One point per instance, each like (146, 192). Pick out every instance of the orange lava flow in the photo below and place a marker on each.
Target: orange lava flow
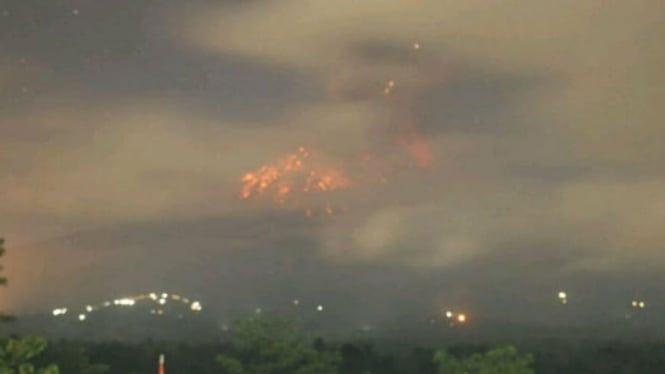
(291, 176)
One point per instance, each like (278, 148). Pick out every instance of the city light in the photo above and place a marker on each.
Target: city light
(319, 308)
(454, 317)
(563, 297)
(131, 301)
(59, 312)
(81, 317)
(124, 302)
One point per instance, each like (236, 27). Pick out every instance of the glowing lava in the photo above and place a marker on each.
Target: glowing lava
(291, 178)
(415, 145)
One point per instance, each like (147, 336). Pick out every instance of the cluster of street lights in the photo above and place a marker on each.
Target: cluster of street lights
(160, 299)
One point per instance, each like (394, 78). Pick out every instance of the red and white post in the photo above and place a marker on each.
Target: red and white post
(161, 365)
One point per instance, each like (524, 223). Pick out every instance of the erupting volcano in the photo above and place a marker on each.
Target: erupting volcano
(293, 179)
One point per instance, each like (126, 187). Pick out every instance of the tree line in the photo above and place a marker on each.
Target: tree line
(280, 346)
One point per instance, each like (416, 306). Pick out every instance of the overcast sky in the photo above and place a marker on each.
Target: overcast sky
(521, 144)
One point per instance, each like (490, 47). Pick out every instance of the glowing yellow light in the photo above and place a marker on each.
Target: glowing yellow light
(124, 302)
(319, 308)
(642, 304)
(81, 317)
(162, 301)
(153, 296)
(449, 314)
(165, 295)
(296, 302)
(59, 312)
(416, 45)
(391, 83)
(634, 303)
(461, 318)
(88, 308)
(196, 306)
(562, 295)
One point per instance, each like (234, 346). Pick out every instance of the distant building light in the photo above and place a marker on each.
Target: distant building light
(319, 308)
(642, 304)
(162, 301)
(449, 314)
(59, 312)
(196, 306)
(563, 297)
(81, 317)
(88, 308)
(124, 302)
(461, 318)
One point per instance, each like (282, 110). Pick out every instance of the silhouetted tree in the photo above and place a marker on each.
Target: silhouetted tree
(72, 358)
(275, 347)
(15, 354)
(502, 360)
(3, 281)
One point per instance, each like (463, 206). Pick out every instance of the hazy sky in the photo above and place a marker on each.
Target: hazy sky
(522, 145)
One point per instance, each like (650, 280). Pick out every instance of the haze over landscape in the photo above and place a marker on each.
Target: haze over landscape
(383, 159)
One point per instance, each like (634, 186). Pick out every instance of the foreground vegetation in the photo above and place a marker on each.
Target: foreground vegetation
(552, 357)
(263, 346)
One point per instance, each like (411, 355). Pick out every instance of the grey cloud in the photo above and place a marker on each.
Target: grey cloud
(540, 181)
(477, 100)
(112, 52)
